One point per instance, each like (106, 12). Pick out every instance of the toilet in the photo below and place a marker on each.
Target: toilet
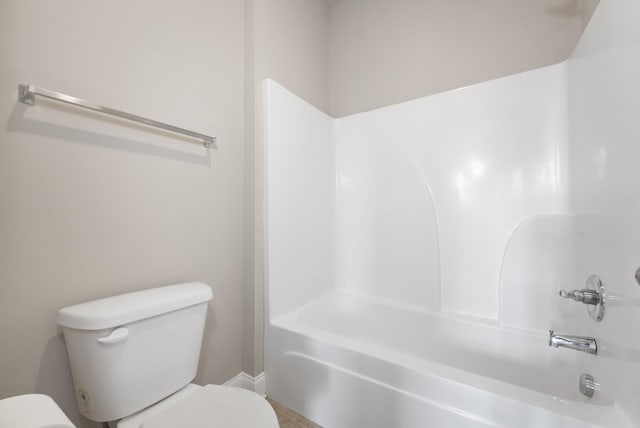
(133, 358)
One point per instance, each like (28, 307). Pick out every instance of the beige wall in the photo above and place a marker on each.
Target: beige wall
(383, 52)
(291, 46)
(90, 207)
(287, 42)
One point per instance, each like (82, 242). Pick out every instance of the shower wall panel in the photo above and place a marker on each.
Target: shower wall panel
(430, 191)
(300, 185)
(604, 95)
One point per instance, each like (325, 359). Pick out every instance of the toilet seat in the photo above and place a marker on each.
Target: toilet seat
(213, 406)
(32, 411)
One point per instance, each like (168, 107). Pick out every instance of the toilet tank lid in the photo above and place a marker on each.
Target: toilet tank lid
(126, 308)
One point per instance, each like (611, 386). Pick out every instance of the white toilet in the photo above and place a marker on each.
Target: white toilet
(133, 356)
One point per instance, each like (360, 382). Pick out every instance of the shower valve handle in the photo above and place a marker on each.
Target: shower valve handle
(592, 295)
(585, 296)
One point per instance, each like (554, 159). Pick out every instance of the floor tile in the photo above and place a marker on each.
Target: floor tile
(287, 418)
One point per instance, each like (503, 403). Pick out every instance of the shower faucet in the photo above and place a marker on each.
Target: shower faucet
(579, 343)
(592, 295)
(587, 297)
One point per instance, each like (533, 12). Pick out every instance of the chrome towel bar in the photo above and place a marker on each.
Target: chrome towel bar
(28, 92)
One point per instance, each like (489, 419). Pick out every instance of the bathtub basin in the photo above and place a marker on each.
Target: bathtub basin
(352, 361)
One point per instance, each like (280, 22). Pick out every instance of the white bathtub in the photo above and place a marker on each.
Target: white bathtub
(348, 361)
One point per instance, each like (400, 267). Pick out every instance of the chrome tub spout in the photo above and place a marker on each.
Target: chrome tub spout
(579, 343)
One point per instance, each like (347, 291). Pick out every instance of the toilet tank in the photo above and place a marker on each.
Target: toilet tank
(129, 351)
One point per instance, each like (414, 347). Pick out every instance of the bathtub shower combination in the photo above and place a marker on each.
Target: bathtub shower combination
(415, 253)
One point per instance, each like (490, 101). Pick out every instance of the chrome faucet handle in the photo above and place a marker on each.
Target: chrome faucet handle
(585, 296)
(592, 295)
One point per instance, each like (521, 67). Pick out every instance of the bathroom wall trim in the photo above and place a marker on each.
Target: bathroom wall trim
(245, 381)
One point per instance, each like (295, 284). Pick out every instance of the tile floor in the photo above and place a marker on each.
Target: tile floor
(289, 419)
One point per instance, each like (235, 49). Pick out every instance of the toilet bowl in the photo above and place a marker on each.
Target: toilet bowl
(133, 358)
(32, 411)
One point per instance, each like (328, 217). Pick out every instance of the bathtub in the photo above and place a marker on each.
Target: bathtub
(351, 361)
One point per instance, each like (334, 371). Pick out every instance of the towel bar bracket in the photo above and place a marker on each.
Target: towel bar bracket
(26, 94)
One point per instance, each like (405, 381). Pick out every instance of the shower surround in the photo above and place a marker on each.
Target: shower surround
(415, 252)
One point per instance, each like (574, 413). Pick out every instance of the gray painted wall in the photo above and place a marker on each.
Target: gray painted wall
(383, 52)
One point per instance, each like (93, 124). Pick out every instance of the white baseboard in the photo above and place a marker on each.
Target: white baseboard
(245, 381)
